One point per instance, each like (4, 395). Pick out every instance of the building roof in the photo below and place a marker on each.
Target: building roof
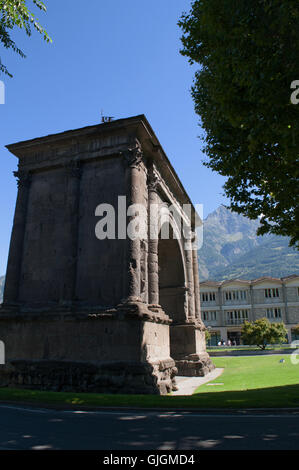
(249, 282)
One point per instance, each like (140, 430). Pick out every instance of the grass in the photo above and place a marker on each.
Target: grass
(246, 348)
(253, 373)
(248, 382)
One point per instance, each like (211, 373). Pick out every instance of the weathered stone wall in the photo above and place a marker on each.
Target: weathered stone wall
(47, 239)
(100, 266)
(57, 253)
(115, 377)
(100, 337)
(111, 351)
(155, 343)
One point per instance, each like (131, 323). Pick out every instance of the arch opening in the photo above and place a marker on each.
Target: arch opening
(172, 286)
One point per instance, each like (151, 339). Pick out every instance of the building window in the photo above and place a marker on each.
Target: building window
(208, 296)
(243, 294)
(271, 293)
(236, 295)
(209, 316)
(273, 313)
(236, 317)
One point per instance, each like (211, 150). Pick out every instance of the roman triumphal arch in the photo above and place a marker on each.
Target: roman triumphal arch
(102, 288)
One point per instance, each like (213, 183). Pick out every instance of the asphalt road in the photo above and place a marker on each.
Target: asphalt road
(22, 427)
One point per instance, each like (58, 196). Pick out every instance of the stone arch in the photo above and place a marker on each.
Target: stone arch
(167, 218)
(172, 273)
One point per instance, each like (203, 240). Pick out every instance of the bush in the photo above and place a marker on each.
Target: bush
(263, 332)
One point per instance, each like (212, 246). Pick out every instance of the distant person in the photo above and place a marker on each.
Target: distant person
(229, 343)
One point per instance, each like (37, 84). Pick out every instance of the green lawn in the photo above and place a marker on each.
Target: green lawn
(248, 382)
(246, 348)
(263, 380)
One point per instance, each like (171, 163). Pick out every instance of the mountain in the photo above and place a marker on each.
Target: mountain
(231, 249)
(2, 279)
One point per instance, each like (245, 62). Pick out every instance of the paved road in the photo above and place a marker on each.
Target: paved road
(31, 428)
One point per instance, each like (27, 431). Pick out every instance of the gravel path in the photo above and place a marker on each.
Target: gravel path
(187, 385)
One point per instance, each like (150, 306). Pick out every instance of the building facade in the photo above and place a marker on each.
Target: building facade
(227, 305)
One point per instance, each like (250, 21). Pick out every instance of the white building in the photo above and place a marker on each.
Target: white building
(226, 305)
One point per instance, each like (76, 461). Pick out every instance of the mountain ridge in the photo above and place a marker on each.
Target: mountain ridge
(232, 249)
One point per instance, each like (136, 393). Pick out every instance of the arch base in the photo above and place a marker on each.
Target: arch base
(196, 366)
(188, 349)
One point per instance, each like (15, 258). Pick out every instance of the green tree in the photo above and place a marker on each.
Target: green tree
(263, 332)
(248, 54)
(15, 13)
(207, 335)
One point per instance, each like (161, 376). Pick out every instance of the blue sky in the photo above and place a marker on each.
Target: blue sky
(118, 56)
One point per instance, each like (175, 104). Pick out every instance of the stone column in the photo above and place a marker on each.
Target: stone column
(153, 238)
(133, 157)
(14, 265)
(74, 173)
(196, 281)
(190, 278)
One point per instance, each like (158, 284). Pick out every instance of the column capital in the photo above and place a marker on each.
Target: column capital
(23, 178)
(153, 180)
(133, 156)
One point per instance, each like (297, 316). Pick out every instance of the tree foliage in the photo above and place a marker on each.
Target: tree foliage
(208, 335)
(248, 53)
(15, 13)
(263, 332)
